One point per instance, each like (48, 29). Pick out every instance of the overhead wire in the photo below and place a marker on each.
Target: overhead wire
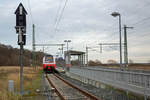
(147, 18)
(142, 20)
(30, 11)
(94, 50)
(61, 15)
(57, 20)
(143, 27)
(57, 13)
(56, 17)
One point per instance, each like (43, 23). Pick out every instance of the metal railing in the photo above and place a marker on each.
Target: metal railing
(128, 80)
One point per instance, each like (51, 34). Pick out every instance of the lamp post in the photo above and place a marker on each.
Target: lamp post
(67, 41)
(67, 57)
(115, 14)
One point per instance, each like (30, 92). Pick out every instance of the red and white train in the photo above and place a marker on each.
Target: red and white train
(49, 64)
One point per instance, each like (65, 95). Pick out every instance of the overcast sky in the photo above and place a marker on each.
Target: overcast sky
(84, 22)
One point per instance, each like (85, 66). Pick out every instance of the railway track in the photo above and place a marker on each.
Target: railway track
(67, 91)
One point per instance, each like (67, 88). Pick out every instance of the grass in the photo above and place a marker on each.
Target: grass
(131, 95)
(131, 66)
(31, 82)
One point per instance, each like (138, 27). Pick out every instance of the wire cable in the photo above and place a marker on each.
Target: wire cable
(145, 19)
(30, 11)
(61, 15)
(57, 13)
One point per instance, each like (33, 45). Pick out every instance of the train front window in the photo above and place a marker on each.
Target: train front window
(49, 59)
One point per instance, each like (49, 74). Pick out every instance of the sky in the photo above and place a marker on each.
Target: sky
(84, 22)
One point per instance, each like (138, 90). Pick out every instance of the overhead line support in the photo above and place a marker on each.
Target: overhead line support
(126, 46)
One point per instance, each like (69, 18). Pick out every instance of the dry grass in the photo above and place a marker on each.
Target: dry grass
(12, 73)
(140, 67)
(131, 66)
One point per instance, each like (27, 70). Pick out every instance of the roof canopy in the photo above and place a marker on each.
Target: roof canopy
(72, 52)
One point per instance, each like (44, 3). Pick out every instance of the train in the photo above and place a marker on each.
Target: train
(49, 64)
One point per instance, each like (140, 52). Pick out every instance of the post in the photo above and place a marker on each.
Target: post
(86, 56)
(81, 60)
(21, 70)
(68, 55)
(43, 49)
(20, 40)
(33, 37)
(33, 47)
(21, 65)
(100, 47)
(67, 46)
(125, 48)
(115, 14)
(11, 86)
(62, 48)
(21, 30)
(120, 42)
(84, 59)
(145, 97)
(127, 95)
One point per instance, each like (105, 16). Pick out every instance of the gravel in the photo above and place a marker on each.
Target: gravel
(104, 94)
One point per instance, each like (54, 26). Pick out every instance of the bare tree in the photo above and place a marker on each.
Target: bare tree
(98, 62)
(111, 61)
(131, 61)
(148, 61)
(94, 63)
(9, 56)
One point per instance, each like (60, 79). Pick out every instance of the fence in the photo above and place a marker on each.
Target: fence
(132, 81)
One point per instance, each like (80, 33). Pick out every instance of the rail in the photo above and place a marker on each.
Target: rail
(57, 92)
(80, 90)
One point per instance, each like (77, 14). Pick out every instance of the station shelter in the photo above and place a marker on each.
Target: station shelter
(81, 58)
